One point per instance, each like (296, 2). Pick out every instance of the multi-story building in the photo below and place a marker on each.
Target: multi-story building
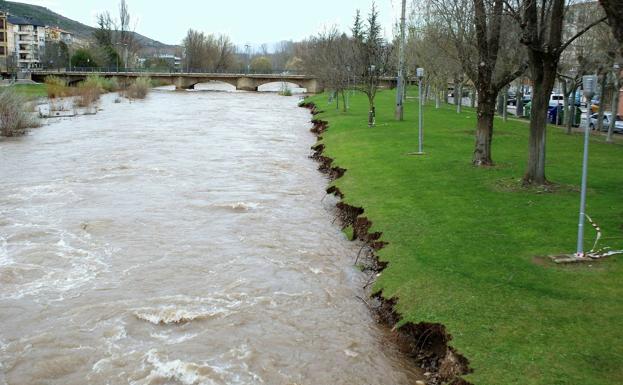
(26, 40)
(57, 35)
(4, 49)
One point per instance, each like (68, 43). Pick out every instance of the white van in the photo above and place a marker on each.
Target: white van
(556, 99)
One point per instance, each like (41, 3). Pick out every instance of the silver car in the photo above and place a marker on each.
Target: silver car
(618, 124)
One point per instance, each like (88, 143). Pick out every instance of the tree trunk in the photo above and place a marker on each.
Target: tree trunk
(615, 107)
(459, 98)
(344, 105)
(337, 100)
(603, 81)
(437, 99)
(472, 98)
(535, 174)
(484, 130)
(505, 104)
(371, 112)
(565, 104)
(519, 103)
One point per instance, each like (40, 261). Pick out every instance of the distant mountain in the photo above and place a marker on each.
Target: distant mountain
(76, 28)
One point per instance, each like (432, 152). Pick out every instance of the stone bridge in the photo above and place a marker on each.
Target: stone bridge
(244, 82)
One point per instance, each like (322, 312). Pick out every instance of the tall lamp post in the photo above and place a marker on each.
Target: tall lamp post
(588, 85)
(400, 83)
(420, 76)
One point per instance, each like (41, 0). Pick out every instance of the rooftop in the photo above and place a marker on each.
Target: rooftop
(15, 20)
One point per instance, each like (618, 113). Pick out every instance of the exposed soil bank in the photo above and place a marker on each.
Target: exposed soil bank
(426, 343)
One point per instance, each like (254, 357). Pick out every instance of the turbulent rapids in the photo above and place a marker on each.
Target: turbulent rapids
(180, 240)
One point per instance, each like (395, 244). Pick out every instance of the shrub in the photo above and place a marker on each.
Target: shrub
(285, 90)
(56, 87)
(139, 89)
(14, 115)
(103, 84)
(87, 94)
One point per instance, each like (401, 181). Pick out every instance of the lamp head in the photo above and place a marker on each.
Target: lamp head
(419, 72)
(589, 83)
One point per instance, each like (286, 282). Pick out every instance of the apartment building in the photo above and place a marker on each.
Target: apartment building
(4, 49)
(26, 41)
(57, 35)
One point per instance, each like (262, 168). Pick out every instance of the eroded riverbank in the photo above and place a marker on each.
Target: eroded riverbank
(181, 240)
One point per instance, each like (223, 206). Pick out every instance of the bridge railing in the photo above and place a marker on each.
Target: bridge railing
(144, 70)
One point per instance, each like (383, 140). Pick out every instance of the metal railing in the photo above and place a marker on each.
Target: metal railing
(182, 71)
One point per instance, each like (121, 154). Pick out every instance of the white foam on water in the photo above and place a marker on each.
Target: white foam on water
(183, 309)
(173, 315)
(239, 206)
(169, 339)
(48, 271)
(190, 373)
(5, 259)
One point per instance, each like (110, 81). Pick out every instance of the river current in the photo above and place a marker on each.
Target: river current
(180, 240)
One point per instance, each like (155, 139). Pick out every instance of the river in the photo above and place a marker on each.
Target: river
(180, 240)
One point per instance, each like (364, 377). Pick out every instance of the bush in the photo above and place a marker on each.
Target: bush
(56, 87)
(139, 89)
(285, 90)
(102, 84)
(87, 94)
(14, 115)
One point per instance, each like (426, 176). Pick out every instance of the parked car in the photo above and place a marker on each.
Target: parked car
(513, 100)
(618, 124)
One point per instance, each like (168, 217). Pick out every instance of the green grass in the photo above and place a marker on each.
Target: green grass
(30, 91)
(462, 240)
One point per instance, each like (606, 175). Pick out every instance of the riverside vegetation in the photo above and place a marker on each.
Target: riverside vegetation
(16, 113)
(467, 246)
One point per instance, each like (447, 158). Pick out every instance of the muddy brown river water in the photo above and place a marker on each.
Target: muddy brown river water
(180, 240)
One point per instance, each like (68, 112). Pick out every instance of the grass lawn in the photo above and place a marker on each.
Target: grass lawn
(31, 91)
(462, 240)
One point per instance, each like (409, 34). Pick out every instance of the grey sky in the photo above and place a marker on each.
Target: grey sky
(248, 21)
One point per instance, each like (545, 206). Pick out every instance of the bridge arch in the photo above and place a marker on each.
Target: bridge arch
(215, 85)
(270, 85)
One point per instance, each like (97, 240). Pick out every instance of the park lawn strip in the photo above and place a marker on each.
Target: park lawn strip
(462, 240)
(31, 91)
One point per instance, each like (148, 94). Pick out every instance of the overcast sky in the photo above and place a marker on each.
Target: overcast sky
(248, 21)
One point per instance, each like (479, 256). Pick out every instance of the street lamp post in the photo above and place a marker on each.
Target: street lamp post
(420, 76)
(400, 83)
(588, 84)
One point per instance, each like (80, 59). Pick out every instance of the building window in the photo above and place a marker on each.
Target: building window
(1, 23)
(1, 51)
(1, 36)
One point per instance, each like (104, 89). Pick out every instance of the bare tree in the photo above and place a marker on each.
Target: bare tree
(542, 33)
(488, 54)
(614, 12)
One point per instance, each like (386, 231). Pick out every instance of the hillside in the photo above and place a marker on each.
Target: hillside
(78, 29)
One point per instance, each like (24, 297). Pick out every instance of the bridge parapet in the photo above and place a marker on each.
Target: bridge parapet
(244, 82)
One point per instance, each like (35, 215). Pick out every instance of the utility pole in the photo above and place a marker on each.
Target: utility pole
(400, 83)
